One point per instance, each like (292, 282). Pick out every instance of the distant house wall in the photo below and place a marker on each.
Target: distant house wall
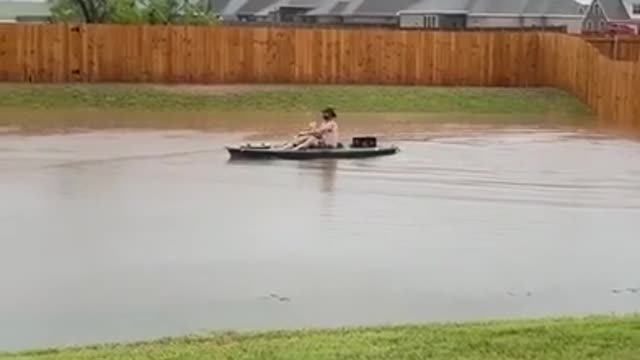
(289, 14)
(439, 21)
(326, 19)
(412, 21)
(595, 19)
(371, 20)
(493, 21)
(27, 19)
(574, 25)
(531, 21)
(246, 17)
(452, 21)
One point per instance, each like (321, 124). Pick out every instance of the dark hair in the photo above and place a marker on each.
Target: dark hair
(330, 112)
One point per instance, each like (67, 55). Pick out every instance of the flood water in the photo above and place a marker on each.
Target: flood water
(116, 235)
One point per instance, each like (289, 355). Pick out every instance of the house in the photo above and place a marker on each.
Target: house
(442, 14)
(358, 12)
(603, 15)
(363, 12)
(528, 13)
(329, 12)
(24, 11)
(373, 12)
(216, 6)
(246, 10)
(494, 14)
(290, 11)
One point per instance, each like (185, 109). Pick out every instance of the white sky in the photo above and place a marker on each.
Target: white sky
(580, 1)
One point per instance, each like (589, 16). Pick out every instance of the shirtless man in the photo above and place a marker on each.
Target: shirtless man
(302, 136)
(326, 135)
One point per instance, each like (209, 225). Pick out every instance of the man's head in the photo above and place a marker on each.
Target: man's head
(328, 113)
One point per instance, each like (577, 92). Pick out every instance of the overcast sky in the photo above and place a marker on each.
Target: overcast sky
(581, 1)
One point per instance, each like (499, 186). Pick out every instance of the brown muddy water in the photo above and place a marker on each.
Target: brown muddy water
(127, 235)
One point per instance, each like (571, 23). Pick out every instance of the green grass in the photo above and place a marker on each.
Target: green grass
(604, 338)
(294, 98)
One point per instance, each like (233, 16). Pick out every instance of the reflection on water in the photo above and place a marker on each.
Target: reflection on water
(108, 236)
(326, 168)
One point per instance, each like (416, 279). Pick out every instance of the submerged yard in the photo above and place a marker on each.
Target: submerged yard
(462, 200)
(172, 239)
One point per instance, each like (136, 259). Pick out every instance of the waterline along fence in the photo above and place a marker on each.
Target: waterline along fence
(232, 54)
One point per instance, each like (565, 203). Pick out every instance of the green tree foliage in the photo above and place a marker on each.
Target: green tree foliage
(123, 12)
(196, 13)
(161, 11)
(133, 11)
(66, 10)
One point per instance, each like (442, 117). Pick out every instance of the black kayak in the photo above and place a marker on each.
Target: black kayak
(360, 148)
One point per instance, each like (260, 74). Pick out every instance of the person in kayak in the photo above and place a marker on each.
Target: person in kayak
(325, 135)
(302, 136)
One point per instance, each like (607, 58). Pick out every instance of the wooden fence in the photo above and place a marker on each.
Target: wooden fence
(610, 87)
(626, 48)
(223, 54)
(120, 53)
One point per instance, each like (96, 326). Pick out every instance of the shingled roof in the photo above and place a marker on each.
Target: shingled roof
(558, 7)
(393, 7)
(498, 7)
(381, 7)
(614, 10)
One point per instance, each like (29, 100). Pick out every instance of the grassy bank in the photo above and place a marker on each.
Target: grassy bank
(572, 339)
(291, 98)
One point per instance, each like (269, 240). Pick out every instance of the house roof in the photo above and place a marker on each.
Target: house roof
(219, 5)
(528, 7)
(330, 7)
(553, 7)
(393, 7)
(305, 4)
(255, 6)
(498, 6)
(565, 7)
(439, 6)
(379, 7)
(614, 9)
(338, 7)
(10, 10)
(536, 7)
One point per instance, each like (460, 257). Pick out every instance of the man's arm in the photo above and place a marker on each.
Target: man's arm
(322, 129)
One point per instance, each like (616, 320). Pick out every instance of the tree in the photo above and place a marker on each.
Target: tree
(161, 11)
(133, 11)
(197, 13)
(65, 10)
(123, 12)
(91, 11)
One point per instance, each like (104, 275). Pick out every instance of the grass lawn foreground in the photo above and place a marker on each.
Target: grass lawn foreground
(416, 99)
(598, 337)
